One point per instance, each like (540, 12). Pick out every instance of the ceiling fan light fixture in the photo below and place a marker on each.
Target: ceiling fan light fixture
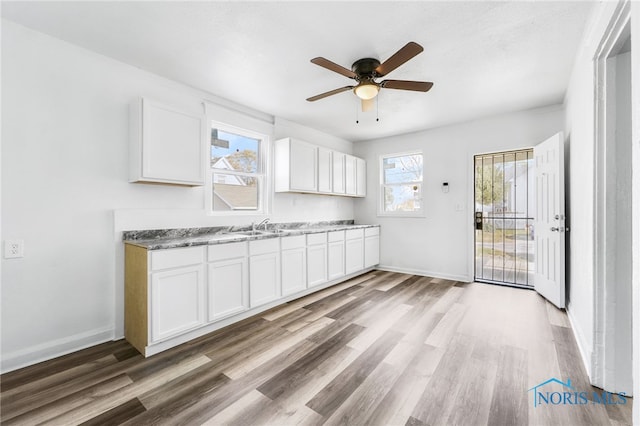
(366, 91)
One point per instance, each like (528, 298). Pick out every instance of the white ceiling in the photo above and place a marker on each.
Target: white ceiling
(483, 57)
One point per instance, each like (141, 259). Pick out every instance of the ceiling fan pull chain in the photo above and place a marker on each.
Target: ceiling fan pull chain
(377, 112)
(357, 113)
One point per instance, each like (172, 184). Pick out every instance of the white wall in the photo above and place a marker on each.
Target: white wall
(441, 244)
(65, 190)
(635, 138)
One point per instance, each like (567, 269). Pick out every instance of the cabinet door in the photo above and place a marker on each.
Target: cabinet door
(166, 145)
(264, 278)
(177, 301)
(361, 177)
(294, 270)
(324, 170)
(302, 163)
(350, 175)
(317, 264)
(336, 260)
(228, 287)
(338, 172)
(354, 255)
(371, 251)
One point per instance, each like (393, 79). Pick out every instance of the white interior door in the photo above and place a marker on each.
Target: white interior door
(549, 223)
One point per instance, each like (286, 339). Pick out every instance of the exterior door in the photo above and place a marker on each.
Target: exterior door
(549, 221)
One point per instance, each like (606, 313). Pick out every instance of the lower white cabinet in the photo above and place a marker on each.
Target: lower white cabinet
(316, 259)
(228, 280)
(176, 292)
(294, 264)
(264, 271)
(354, 250)
(173, 295)
(335, 255)
(177, 301)
(371, 247)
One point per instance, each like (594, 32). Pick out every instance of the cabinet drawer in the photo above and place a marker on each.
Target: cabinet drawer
(173, 258)
(352, 234)
(264, 246)
(370, 232)
(336, 236)
(293, 242)
(227, 251)
(320, 238)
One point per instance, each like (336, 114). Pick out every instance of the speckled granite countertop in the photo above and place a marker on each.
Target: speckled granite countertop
(159, 239)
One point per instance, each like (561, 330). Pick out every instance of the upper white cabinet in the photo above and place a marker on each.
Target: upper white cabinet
(166, 145)
(337, 159)
(361, 177)
(304, 167)
(324, 170)
(296, 166)
(350, 175)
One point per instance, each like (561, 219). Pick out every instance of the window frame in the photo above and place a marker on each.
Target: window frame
(261, 175)
(381, 207)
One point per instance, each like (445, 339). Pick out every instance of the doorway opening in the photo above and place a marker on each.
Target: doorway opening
(504, 197)
(612, 362)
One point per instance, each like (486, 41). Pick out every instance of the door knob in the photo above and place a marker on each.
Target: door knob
(555, 229)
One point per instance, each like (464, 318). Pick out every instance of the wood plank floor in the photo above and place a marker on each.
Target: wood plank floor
(380, 349)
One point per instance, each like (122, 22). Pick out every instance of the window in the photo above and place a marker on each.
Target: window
(236, 169)
(401, 185)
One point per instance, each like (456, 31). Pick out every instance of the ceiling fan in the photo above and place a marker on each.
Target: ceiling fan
(365, 71)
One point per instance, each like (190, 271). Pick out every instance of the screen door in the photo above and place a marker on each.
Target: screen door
(504, 206)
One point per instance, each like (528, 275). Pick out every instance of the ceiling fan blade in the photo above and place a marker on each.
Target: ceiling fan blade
(329, 93)
(418, 86)
(409, 50)
(332, 66)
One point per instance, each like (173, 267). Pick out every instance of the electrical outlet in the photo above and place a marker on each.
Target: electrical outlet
(13, 249)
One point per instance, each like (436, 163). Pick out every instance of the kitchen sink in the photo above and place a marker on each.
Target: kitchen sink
(251, 233)
(261, 232)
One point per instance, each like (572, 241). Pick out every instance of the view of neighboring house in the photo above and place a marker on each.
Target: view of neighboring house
(231, 192)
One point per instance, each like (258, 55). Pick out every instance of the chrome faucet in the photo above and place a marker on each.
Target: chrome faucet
(264, 222)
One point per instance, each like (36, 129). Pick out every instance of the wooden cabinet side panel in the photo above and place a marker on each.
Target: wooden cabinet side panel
(135, 297)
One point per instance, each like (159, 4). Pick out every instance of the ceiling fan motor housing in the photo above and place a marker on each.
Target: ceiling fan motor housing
(365, 68)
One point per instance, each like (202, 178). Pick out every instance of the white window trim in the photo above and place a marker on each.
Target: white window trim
(381, 212)
(263, 166)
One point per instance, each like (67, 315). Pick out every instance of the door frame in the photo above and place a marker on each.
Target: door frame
(605, 291)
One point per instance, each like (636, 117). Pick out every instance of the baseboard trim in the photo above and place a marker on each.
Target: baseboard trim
(578, 334)
(53, 349)
(424, 273)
